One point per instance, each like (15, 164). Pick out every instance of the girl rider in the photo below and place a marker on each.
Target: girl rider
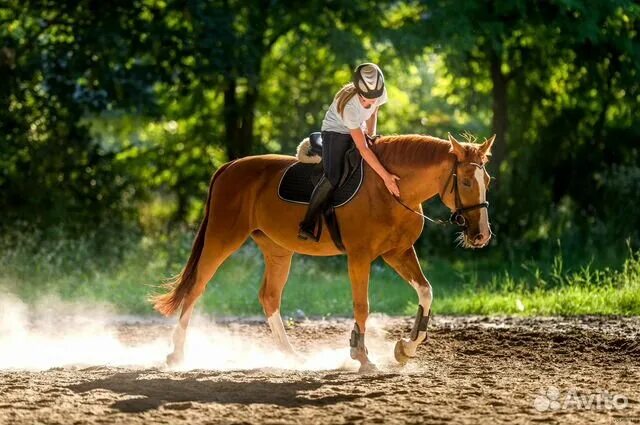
(353, 112)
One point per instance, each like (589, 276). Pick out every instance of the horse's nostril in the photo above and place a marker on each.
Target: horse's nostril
(479, 237)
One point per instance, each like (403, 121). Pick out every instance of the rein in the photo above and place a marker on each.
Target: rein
(457, 216)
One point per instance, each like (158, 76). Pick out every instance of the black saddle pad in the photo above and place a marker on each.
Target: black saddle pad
(298, 182)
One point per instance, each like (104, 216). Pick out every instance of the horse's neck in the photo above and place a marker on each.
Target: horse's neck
(419, 185)
(420, 179)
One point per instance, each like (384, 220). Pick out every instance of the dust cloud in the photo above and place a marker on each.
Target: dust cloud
(53, 333)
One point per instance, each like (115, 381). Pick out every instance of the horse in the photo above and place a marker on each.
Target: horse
(243, 202)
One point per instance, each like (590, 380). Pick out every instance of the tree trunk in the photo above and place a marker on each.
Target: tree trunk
(500, 108)
(247, 119)
(230, 111)
(240, 113)
(239, 117)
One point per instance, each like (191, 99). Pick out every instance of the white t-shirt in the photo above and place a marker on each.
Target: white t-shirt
(353, 116)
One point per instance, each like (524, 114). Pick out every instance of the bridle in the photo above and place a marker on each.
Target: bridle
(457, 216)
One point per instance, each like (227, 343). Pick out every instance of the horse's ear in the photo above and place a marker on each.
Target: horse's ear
(485, 148)
(456, 148)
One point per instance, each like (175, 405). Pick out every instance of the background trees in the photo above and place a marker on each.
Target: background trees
(120, 111)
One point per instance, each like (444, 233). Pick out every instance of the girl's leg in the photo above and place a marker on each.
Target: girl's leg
(334, 148)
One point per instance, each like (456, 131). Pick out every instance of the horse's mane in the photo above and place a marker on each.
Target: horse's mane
(411, 149)
(416, 149)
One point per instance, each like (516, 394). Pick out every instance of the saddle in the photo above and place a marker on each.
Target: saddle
(300, 179)
(315, 142)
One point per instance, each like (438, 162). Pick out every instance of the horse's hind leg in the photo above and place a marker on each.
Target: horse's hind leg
(359, 271)
(220, 243)
(277, 262)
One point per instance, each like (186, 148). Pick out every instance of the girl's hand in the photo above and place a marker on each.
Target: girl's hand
(392, 186)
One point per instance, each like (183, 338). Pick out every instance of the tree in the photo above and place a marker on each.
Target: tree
(58, 62)
(232, 39)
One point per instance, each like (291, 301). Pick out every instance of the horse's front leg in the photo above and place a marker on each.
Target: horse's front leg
(359, 270)
(405, 262)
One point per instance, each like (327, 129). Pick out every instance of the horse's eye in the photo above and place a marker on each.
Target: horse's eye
(466, 182)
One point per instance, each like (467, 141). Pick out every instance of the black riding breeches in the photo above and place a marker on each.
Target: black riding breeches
(334, 148)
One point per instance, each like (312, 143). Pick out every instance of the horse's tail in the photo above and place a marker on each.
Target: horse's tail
(181, 285)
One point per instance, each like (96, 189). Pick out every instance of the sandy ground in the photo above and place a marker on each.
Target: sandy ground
(474, 370)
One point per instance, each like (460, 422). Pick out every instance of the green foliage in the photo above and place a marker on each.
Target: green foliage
(60, 62)
(585, 291)
(620, 186)
(114, 115)
(123, 269)
(557, 80)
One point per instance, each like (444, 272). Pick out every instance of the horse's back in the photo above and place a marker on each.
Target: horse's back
(260, 164)
(244, 179)
(253, 172)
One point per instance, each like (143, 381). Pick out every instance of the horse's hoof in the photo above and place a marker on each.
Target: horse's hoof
(174, 359)
(399, 354)
(367, 367)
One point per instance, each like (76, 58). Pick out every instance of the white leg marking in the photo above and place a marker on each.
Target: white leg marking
(180, 332)
(178, 338)
(277, 328)
(424, 298)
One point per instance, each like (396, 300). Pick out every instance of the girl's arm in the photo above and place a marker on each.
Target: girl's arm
(371, 158)
(372, 122)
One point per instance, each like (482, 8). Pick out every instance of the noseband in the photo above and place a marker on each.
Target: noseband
(457, 216)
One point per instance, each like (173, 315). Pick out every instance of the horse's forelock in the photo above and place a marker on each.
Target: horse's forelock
(474, 154)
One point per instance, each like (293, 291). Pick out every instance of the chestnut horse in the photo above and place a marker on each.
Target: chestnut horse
(243, 202)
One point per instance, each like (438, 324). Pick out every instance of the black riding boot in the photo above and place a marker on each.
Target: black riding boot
(319, 198)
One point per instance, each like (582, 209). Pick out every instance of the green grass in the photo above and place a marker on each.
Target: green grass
(123, 272)
(586, 291)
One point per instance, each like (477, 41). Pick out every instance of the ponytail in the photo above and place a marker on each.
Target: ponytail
(345, 94)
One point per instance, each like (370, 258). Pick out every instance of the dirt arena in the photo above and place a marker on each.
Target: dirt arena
(474, 370)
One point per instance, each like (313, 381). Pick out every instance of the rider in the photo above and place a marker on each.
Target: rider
(353, 112)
